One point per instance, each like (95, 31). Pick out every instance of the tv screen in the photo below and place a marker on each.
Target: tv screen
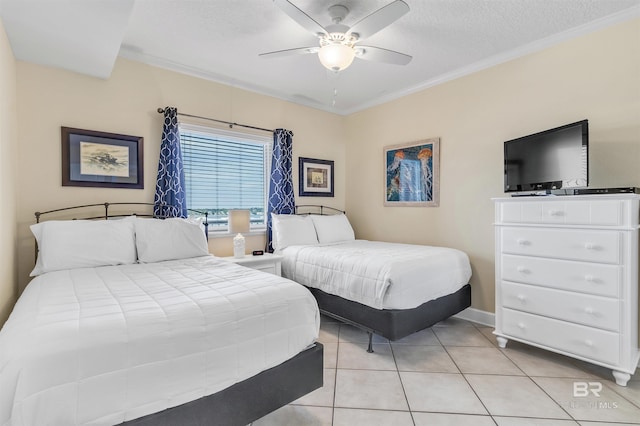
(554, 159)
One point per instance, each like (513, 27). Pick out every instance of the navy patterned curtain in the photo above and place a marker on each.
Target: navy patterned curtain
(170, 198)
(281, 198)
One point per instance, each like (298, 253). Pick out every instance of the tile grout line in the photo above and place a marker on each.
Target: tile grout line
(468, 384)
(525, 375)
(501, 351)
(464, 377)
(630, 401)
(575, 364)
(553, 399)
(342, 329)
(393, 354)
(335, 377)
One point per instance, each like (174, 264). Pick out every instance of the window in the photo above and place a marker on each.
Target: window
(225, 170)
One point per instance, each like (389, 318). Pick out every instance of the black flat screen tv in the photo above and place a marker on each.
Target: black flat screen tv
(554, 159)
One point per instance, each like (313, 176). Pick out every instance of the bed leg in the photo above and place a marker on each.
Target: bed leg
(370, 348)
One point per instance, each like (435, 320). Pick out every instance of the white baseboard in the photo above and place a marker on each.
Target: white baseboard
(478, 316)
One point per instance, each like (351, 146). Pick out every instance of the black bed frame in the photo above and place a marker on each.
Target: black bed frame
(243, 402)
(90, 211)
(248, 400)
(392, 324)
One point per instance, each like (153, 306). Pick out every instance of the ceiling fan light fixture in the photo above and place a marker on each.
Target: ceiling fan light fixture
(336, 56)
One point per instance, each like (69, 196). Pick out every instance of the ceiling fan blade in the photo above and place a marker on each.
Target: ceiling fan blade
(290, 52)
(300, 17)
(378, 54)
(379, 19)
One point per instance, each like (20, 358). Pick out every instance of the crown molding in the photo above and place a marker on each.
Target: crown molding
(527, 49)
(533, 47)
(134, 55)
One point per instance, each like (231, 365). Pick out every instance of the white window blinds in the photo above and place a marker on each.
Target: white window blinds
(225, 170)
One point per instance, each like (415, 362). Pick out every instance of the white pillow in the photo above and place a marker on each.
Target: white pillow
(333, 229)
(70, 244)
(292, 230)
(169, 239)
(278, 218)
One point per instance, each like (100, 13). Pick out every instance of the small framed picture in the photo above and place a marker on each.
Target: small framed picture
(108, 160)
(315, 177)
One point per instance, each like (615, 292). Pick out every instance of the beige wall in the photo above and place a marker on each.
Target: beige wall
(8, 149)
(596, 77)
(126, 103)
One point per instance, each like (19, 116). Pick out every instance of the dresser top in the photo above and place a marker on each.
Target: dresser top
(569, 198)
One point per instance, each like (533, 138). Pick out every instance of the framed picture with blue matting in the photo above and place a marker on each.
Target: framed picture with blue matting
(100, 159)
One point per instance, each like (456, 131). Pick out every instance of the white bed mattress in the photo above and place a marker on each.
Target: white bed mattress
(109, 344)
(377, 274)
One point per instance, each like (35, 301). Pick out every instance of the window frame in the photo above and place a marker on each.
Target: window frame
(229, 135)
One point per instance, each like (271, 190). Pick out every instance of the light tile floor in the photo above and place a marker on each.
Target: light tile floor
(453, 374)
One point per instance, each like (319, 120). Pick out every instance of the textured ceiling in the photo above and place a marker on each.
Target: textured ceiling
(221, 39)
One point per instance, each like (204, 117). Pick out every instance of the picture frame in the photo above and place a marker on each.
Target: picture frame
(100, 159)
(412, 174)
(315, 177)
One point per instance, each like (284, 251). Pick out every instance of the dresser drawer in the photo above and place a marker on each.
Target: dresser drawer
(591, 343)
(567, 212)
(593, 278)
(572, 244)
(593, 311)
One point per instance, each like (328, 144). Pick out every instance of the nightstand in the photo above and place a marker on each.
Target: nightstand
(268, 262)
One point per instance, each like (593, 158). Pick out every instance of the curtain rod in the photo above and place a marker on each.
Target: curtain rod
(231, 124)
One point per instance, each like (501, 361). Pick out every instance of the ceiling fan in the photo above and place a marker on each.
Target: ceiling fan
(338, 43)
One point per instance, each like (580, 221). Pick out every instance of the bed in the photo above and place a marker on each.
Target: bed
(388, 289)
(147, 328)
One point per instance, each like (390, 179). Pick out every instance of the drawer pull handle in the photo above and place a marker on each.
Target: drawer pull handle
(590, 278)
(522, 242)
(590, 246)
(522, 269)
(521, 326)
(589, 343)
(588, 311)
(521, 298)
(555, 212)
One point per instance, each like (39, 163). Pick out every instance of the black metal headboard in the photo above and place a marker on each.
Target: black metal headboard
(130, 208)
(305, 209)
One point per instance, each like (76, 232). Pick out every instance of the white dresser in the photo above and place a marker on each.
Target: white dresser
(567, 277)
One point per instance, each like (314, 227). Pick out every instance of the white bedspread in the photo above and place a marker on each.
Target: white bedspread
(377, 274)
(104, 345)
